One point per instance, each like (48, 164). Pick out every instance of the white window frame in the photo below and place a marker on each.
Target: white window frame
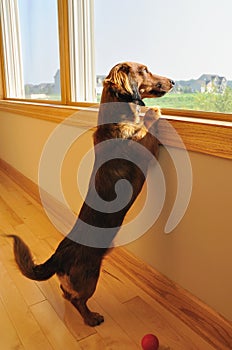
(12, 53)
(81, 44)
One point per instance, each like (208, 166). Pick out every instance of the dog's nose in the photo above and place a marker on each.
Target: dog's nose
(172, 82)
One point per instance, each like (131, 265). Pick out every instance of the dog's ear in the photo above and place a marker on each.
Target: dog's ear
(119, 80)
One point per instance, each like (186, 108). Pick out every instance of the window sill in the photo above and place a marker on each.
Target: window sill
(199, 132)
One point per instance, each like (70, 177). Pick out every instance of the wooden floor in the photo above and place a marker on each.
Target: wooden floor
(34, 315)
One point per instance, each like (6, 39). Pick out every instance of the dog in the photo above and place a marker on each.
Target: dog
(124, 139)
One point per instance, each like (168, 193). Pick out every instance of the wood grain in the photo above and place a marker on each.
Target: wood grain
(64, 51)
(2, 69)
(197, 114)
(198, 137)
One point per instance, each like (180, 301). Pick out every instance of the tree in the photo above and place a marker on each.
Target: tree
(214, 102)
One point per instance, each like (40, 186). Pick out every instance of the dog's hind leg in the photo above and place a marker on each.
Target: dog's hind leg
(66, 294)
(78, 290)
(85, 290)
(90, 318)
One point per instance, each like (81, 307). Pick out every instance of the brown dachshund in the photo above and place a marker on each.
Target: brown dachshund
(123, 158)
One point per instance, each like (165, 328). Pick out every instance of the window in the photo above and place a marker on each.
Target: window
(31, 49)
(188, 41)
(32, 32)
(62, 49)
(38, 22)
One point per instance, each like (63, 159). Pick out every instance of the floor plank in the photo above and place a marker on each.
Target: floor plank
(28, 289)
(94, 342)
(171, 332)
(25, 324)
(55, 330)
(112, 333)
(9, 339)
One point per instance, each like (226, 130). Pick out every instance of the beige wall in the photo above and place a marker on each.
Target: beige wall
(21, 142)
(196, 255)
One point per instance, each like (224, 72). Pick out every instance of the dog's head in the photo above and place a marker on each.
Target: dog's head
(131, 82)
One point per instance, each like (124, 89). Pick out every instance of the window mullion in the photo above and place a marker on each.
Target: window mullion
(64, 51)
(90, 75)
(82, 65)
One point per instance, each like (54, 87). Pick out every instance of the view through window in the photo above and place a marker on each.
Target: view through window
(38, 21)
(188, 41)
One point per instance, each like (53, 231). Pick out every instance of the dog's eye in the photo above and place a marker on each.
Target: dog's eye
(143, 70)
(159, 85)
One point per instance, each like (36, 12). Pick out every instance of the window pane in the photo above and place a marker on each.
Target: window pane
(188, 41)
(38, 21)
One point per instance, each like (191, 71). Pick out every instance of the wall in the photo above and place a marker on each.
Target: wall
(196, 254)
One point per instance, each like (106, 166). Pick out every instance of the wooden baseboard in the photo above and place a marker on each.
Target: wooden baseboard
(211, 326)
(24, 182)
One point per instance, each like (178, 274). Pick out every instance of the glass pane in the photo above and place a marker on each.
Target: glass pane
(40, 49)
(187, 41)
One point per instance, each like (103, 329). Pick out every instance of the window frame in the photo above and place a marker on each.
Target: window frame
(10, 32)
(210, 124)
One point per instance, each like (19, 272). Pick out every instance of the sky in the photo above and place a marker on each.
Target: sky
(39, 32)
(178, 38)
(175, 38)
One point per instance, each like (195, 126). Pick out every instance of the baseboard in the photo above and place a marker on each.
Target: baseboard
(24, 182)
(210, 325)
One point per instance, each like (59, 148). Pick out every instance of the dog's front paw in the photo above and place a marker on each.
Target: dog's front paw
(152, 115)
(94, 319)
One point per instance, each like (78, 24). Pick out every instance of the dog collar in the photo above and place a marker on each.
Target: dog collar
(139, 102)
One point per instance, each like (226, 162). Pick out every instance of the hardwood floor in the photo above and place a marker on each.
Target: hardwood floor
(34, 315)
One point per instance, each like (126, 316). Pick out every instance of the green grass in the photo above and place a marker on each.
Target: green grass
(210, 102)
(179, 101)
(182, 101)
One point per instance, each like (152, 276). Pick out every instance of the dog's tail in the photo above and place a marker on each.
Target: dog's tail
(26, 264)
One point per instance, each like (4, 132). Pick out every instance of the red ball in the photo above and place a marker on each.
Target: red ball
(150, 342)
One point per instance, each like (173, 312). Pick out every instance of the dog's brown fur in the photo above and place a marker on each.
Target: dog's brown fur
(78, 265)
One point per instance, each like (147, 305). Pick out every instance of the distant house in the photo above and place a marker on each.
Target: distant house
(213, 83)
(205, 83)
